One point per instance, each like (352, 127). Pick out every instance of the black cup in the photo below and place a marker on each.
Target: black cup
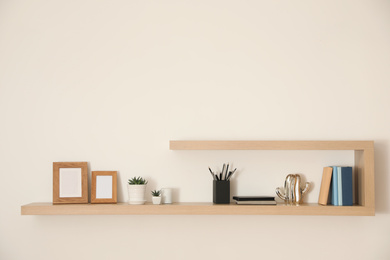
(221, 192)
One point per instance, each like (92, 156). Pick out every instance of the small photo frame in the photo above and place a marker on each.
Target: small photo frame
(104, 187)
(70, 182)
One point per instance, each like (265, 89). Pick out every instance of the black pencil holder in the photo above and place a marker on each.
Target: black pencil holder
(221, 192)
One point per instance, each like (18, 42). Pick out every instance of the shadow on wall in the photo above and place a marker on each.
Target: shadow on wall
(120, 191)
(89, 182)
(381, 177)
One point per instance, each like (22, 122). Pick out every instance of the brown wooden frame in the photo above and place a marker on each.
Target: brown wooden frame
(56, 182)
(114, 187)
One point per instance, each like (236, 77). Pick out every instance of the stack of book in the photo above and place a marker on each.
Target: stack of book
(336, 186)
(254, 200)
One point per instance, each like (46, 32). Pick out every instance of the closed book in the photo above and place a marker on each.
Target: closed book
(347, 186)
(256, 202)
(325, 186)
(253, 198)
(339, 187)
(334, 185)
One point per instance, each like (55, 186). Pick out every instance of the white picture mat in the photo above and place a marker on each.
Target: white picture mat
(103, 187)
(70, 182)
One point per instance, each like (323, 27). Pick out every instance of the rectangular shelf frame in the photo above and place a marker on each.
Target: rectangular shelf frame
(363, 153)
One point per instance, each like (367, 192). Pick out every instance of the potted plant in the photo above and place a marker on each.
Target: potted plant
(136, 189)
(156, 197)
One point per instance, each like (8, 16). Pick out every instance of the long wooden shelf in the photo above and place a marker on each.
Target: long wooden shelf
(363, 170)
(271, 145)
(194, 208)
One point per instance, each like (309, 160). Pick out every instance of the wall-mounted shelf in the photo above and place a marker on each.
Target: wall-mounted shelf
(364, 169)
(271, 145)
(364, 166)
(196, 208)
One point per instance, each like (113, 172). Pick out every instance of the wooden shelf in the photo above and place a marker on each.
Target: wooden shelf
(363, 171)
(364, 174)
(195, 208)
(271, 145)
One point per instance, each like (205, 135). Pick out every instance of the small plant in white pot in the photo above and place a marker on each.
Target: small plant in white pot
(156, 197)
(136, 189)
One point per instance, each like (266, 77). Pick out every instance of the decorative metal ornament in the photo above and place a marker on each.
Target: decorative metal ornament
(292, 193)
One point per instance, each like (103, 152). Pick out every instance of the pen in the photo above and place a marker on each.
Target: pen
(228, 176)
(212, 174)
(226, 172)
(231, 173)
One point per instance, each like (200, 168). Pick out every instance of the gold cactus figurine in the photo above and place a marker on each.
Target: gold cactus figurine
(292, 192)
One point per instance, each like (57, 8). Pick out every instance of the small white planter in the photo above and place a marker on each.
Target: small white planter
(136, 194)
(156, 200)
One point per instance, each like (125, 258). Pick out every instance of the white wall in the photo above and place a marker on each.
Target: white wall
(111, 82)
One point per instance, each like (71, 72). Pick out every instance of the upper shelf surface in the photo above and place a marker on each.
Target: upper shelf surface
(271, 145)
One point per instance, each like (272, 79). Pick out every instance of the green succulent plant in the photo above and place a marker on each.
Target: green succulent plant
(156, 193)
(137, 181)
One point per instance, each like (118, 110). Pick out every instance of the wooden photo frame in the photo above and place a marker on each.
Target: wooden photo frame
(70, 182)
(104, 187)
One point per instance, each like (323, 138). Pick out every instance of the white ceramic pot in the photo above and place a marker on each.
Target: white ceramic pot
(167, 195)
(136, 194)
(156, 200)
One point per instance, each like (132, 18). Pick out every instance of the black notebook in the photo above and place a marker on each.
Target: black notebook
(253, 198)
